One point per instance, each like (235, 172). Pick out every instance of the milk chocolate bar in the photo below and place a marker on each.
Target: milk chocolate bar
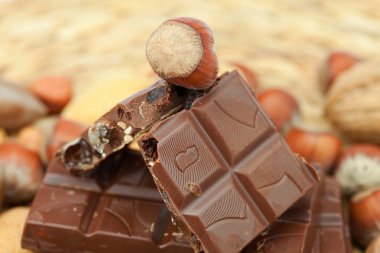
(294, 231)
(222, 169)
(123, 123)
(114, 209)
(298, 230)
(333, 234)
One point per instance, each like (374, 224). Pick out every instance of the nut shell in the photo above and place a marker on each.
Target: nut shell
(21, 170)
(315, 147)
(359, 168)
(365, 216)
(353, 102)
(186, 45)
(54, 91)
(18, 107)
(279, 105)
(336, 64)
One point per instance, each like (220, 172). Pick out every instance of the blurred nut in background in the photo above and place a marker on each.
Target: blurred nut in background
(315, 147)
(336, 64)
(281, 107)
(12, 224)
(21, 170)
(353, 104)
(359, 168)
(54, 91)
(18, 107)
(365, 216)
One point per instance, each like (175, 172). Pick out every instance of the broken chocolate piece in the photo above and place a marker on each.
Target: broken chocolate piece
(116, 208)
(333, 234)
(125, 122)
(294, 231)
(222, 169)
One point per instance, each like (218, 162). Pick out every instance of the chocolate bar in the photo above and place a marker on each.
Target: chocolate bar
(123, 123)
(222, 169)
(294, 231)
(116, 208)
(333, 234)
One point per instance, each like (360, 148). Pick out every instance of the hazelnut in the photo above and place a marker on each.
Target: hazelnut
(365, 215)
(281, 107)
(359, 168)
(18, 107)
(64, 131)
(182, 52)
(54, 91)
(315, 147)
(336, 63)
(21, 171)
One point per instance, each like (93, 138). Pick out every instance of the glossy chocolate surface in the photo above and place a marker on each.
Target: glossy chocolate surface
(223, 170)
(295, 230)
(123, 123)
(116, 208)
(333, 234)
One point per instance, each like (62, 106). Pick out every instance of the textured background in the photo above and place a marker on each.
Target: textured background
(100, 43)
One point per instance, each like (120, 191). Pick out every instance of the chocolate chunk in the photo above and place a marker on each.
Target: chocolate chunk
(125, 122)
(294, 231)
(333, 234)
(222, 169)
(116, 208)
(315, 227)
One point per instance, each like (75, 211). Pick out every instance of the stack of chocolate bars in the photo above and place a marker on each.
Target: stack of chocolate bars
(212, 175)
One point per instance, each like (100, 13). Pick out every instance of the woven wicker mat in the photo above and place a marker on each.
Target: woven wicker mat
(95, 40)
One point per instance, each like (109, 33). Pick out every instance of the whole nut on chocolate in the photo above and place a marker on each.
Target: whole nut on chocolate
(182, 51)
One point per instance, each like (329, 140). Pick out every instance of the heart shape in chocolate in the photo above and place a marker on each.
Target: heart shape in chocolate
(184, 159)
